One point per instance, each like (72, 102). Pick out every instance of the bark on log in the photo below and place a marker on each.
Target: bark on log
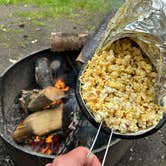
(67, 42)
(43, 73)
(44, 98)
(39, 123)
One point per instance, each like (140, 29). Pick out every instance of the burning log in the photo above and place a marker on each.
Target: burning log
(44, 98)
(67, 42)
(26, 97)
(39, 123)
(43, 73)
(43, 122)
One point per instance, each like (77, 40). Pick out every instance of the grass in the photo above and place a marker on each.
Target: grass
(59, 8)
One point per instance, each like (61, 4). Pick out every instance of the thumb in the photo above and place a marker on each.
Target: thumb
(76, 157)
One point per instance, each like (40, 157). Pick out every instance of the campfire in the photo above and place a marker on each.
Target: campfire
(53, 123)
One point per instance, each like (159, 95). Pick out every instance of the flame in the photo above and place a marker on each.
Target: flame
(46, 150)
(52, 141)
(37, 139)
(49, 139)
(45, 145)
(60, 84)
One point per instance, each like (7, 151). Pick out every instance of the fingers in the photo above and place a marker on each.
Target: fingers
(80, 155)
(76, 157)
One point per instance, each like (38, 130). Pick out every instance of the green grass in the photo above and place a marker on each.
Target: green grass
(58, 8)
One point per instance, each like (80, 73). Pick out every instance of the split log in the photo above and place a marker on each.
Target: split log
(44, 98)
(67, 42)
(39, 123)
(43, 122)
(43, 73)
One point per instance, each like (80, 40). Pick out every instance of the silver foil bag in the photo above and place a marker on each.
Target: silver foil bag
(143, 21)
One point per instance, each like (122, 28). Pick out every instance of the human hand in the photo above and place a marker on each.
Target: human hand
(76, 157)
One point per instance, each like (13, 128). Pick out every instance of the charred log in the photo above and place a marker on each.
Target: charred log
(70, 109)
(43, 73)
(59, 68)
(69, 131)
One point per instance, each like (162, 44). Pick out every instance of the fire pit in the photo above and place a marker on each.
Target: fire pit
(21, 76)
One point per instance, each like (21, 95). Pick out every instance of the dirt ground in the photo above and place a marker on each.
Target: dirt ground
(19, 37)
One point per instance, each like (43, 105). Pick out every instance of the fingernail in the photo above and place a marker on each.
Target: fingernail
(90, 155)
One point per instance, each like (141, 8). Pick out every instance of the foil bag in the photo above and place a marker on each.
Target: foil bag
(144, 21)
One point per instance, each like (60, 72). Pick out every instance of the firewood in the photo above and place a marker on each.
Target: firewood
(44, 98)
(67, 42)
(39, 123)
(26, 97)
(43, 73)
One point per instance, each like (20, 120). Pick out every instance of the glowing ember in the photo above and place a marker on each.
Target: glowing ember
(60, 84)
(56, 102)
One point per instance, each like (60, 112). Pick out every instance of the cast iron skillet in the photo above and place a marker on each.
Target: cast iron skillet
(90, 117)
